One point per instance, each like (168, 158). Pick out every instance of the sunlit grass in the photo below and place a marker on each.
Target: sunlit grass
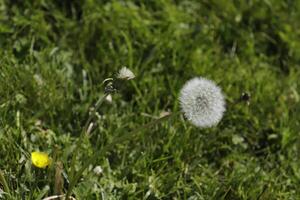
(55, 56)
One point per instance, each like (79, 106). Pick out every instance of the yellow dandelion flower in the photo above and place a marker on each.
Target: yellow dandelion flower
(40, 159)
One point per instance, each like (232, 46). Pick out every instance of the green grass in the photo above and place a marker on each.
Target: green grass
(55, 54)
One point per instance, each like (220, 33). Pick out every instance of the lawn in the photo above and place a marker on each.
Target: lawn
(56, 61)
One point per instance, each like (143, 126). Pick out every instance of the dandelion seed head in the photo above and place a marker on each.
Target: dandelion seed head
(202, 102)
(125, 74)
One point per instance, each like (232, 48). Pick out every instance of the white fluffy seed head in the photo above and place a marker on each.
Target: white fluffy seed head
(98, 170)
(125, 74)
(202, 102)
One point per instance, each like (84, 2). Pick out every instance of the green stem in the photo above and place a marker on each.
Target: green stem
(101, 152)
(4, 183)
(84, 130)
(96, 107)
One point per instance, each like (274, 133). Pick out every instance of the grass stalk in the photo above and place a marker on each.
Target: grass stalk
(101, 152)
(78, 144)
(4, 182)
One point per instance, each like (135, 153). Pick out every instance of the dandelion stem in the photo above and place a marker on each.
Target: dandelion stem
(84, 130)
(95, 108)
(101, 152)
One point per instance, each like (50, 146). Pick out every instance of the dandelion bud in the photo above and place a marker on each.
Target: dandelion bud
(109, 88)
(245, 97)
(202, 102)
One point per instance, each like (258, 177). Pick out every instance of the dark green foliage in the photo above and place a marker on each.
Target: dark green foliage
(55, 54)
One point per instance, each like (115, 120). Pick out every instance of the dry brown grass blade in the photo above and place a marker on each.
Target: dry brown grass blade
(59, 180)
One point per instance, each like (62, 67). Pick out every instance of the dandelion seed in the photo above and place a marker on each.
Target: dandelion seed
(39, 80)
(40, 159)
(125, 74)
(98, 170)
(108, 98)
(202, 102)
(90, 128)
(1, 192)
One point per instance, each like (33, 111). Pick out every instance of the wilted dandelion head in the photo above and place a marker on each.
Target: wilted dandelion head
(125, 74)
(202, 102)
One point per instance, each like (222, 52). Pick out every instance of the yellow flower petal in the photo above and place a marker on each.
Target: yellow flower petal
(40, 159)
